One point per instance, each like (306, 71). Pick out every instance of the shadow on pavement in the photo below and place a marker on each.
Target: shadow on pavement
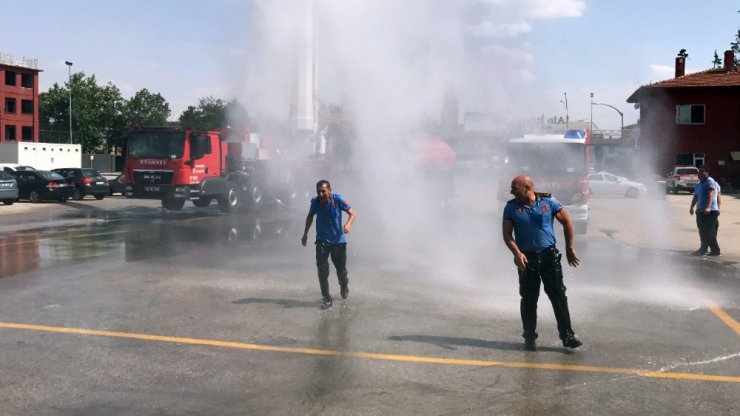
(451, 343)
(285, 303)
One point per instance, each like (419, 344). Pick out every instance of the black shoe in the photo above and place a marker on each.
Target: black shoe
(530, 344)
(325, 304)
(344, 291)
(714, 254)
(530, 341)
(699, 253)
(570, 341)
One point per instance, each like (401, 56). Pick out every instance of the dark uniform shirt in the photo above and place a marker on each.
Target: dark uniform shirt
(533, 225)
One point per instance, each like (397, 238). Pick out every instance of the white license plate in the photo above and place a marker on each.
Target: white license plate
(99, 183)
(151, 188)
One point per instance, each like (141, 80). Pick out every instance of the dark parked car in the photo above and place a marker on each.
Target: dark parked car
(40, 185)
(13, 169)
(85, 182)
(116, 184)
(8, 188)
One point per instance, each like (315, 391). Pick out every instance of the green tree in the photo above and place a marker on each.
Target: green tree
(212, 113)
(735, 46)
(96, 111)
(144, 109)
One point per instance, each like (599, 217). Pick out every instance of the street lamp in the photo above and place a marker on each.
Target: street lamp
(591, 120)
(69, 71)
(565, 94)
(621, 116)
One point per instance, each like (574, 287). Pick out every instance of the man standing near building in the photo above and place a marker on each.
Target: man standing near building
(706, 200)
(529, 218)
(331, 237)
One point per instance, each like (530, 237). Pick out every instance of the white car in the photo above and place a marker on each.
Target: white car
(607, 184)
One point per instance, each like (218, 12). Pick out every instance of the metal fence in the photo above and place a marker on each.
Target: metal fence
(102, 162)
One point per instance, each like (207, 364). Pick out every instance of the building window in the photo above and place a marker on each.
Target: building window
(690, 114)
(10, 105)
(26, 107)
(27, 80)
(9, 132)
(9, 77)
(690, 159)
(27, 133)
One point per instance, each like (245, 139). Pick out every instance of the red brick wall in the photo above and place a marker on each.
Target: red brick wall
(19, 93)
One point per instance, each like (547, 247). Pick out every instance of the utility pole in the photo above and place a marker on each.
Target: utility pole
(591, 122)
(69, 72)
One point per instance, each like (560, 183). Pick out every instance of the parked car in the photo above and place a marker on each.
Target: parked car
(8, 188)
(85, 182)
(682, 178)
(116, 184)
(607, 184)
(42, 185)
(13, 168)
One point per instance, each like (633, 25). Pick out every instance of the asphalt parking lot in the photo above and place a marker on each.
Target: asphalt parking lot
(120, 307)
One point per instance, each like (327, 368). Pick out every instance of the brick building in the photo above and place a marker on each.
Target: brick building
(692, 119)
(19, 99)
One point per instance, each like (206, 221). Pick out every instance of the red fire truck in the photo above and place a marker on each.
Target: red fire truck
(558, 164)
(175, 165)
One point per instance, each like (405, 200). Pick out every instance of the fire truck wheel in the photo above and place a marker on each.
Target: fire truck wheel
(254, 196)
(202, 202)
(173, 204)
(230, 201)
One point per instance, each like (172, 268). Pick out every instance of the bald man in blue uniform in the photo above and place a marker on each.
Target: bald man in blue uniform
(528, 233)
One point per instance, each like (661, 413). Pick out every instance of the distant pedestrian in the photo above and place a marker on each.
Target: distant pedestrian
(528, 233)
(707, 201)
(331, 240)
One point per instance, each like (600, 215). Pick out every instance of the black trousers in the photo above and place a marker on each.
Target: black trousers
(543, 267)
(338, 254)
(708, 225)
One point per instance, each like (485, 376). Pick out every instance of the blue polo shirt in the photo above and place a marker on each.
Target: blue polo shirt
(329, 227)
(533, 225)
(701, 190)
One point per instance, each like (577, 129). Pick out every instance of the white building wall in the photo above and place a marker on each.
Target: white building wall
(42, 156)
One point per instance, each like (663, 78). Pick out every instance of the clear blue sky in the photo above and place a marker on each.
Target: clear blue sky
(186, 49)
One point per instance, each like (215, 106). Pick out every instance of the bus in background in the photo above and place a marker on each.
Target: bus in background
(558, 164)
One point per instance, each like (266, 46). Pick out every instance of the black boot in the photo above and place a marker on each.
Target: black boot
(562, 316)
(570, 340)
(530, 341)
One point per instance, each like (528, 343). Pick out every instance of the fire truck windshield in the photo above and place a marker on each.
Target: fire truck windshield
(156, 144)
(548, 159)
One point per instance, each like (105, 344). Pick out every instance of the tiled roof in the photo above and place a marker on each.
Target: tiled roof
(710, 78)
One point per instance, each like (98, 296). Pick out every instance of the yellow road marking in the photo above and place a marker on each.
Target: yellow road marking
(723, 316)
(374, 356)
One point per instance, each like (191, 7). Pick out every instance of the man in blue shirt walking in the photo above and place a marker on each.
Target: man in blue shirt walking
(706, 200)
(331, 240)
(528, 233)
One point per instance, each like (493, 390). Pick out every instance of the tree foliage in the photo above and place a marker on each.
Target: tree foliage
(735, 46)
(212, 113)
(100, 115)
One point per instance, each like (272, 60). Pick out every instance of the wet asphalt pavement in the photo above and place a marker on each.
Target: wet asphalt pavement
(121, 309)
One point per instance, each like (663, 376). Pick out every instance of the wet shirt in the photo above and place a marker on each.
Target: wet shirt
(533, 225)
(701, 190)
(329, 219)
